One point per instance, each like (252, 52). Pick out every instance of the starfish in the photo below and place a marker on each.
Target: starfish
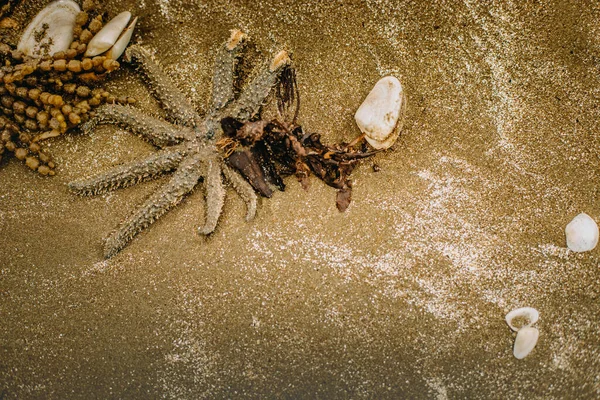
(188, 146)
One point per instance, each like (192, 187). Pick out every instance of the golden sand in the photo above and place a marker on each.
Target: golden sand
(404, 294)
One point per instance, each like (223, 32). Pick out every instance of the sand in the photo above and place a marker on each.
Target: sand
(403, 295)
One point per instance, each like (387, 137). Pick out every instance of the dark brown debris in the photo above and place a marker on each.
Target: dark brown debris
(343, 198)
(264, 151)
(248, 164)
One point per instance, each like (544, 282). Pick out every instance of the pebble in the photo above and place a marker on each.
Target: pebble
(56, 21)
(380, 116)
(582, 233)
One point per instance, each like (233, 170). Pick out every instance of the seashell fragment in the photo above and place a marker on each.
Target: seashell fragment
(582, 233)
(380, 116)
(51, 30)
(108, 35)
(121, 44)
(525, 342)
(527, 315)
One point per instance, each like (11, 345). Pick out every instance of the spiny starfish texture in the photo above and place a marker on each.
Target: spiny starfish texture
(188, 146)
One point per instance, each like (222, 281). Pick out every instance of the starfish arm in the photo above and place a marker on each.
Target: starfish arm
(224, 73)
(244, 189)
(253, 96)
(181, 183)
(215, 197)
(157, 131)
(129, 174)
(174, 101)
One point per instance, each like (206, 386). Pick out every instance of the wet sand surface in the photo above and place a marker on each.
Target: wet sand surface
(404, 294)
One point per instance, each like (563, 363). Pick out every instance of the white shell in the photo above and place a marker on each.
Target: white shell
(582, 233)
(380, 116)
(121, 44)
(531, 314)
(525, 342)
(53, 28)
(108, 35)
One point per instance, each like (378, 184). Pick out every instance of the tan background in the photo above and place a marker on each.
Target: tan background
(404, 294)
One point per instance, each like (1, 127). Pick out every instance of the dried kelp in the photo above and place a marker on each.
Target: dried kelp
(45, 97)
(264, 151)
(6, 8)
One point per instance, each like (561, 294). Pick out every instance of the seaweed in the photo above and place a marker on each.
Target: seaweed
(264, 151)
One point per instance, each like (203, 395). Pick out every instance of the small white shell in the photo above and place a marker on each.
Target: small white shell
(121, 44)
(108, 35)
(525, 342)
(582, 233)
(529, 313)
(380, 116)
(51, 30)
